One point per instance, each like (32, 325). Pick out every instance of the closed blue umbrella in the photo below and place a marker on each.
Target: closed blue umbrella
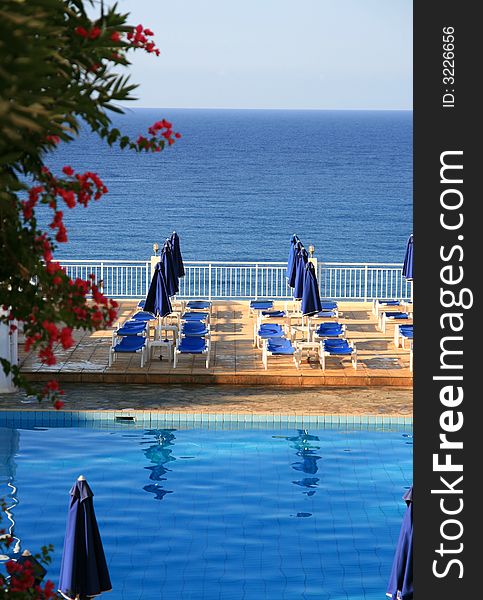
(291, 263)
(409, 259)
(401, 581)
(178, 259)
(301, 259)
(311, 303)
(169, 272)
(157, 301)
(83, 572)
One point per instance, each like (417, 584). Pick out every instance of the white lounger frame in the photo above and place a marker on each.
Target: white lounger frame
(384, 320)
(266, 353)
(205, 352)
(378, 306)
(323, 355)
(144, 351)
(257, 340)
(316, 338)
(399, 339)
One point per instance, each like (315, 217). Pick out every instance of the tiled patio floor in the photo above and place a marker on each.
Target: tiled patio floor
(234, 361)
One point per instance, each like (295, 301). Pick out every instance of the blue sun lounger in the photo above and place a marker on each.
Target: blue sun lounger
(264, 331)
(143, 316)
(278, 346)
(329, 330)
(199, 305)
(131, 328)
(326, 314)
(258, 305)
(337, 347)
(194, 329)
(192, 345)
(128, 345)
(378, 304)
(195, 316)
(403, 333)
(329, 305)
(267, 314)
(392, 316)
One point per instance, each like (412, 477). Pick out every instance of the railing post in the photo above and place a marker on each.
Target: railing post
(366, 272)
(101, 278)
(256, 281)
(209, 281)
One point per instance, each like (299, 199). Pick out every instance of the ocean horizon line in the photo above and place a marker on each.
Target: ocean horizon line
(130, 107)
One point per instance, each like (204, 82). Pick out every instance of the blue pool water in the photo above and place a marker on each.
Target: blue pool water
(235, 514)
(240, 182)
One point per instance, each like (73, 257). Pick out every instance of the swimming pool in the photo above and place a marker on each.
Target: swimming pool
(232, 512)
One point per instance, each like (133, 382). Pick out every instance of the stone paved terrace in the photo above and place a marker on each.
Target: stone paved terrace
(234, 361)
(224, 399)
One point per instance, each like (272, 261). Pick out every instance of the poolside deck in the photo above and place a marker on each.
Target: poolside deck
(234, 361)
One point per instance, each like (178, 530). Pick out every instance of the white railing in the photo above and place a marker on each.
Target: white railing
(244, 280)
(362, 281)
(120, 278)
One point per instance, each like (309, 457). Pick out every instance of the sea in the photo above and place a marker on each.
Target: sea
(239, 183)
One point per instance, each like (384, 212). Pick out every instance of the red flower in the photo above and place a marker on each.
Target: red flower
(34, 192)
(177, 135)
(48, 589)
(81, 32)
(82, 286)
(57, 220)
(51, 329)
(94, 33)
(61, 236)
(66, 338)
(69, 198)
(47, 356)
(52, 139)
(58, 404)
(116, 36)
(96, 316)
(52, 386)
(53, 267)
(98, 296)
(27, 210)
(68, 170)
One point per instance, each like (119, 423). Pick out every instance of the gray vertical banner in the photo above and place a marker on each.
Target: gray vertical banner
(448, 242)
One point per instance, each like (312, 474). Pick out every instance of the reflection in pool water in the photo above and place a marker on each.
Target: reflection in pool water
(159, 453)
(303, 442)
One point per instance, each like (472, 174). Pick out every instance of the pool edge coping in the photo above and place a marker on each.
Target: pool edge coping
(138, 415)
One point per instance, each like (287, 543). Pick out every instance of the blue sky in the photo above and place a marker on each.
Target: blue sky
(318, 54)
